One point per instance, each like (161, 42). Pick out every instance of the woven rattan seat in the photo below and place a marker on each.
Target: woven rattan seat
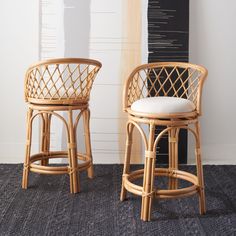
(168, 95)
(51, 87)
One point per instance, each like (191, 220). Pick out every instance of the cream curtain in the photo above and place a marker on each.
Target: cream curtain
(130, 58)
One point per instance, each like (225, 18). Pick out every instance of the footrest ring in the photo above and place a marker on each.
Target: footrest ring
(86, 163)
(169, 193)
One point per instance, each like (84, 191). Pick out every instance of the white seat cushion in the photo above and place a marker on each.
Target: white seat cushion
(165, 105)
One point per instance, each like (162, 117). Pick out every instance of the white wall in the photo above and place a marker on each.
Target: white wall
(18, 49)
(105, 46)
(212, 44)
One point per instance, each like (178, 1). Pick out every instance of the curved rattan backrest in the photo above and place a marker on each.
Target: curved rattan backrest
(172, 79)
(60, 81)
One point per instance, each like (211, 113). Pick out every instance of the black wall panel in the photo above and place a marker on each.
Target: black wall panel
(168, 40)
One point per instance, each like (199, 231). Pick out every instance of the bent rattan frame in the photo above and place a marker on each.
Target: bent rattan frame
(175, 79)
(61, 81)
(157, 77)
(49, 90)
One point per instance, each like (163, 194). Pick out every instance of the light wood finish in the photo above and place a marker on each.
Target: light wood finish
(27, 149)
(45, 136)
(200, 170)
(86, 118)
(148, 176)
(126, 169)
(65, 81)
(175, 79)
(173, 136)
(51, 86)
(184, 80)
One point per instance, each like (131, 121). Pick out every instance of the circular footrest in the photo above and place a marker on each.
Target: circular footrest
(86, 163)
(169, 193)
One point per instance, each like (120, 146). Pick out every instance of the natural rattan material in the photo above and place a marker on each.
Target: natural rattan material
(59, 85)
(183, 80)
(60, 81)
(164, 79)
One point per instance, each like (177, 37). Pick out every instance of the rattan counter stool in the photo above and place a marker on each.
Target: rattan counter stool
(53, 86)
(166, 94)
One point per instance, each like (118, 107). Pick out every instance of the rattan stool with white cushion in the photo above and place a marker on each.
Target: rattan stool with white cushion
(166, 94)
(58, 88)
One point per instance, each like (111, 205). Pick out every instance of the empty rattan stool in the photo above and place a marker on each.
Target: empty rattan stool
(164, 94)
(50, 87)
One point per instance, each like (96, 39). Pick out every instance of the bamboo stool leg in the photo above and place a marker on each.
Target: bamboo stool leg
(202, 203)
(148, 178)
(73, 164)
(48, 135)
(86, 120)
(45, 136)
(173, 156)
(27, 150)
(126, 169)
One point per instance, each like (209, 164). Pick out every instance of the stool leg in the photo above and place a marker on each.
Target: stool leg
(45, 136)
(200, 171)
(27, 150)
(48, 135)
(73, 164)
(126, 169)
(148, 178)
(86, 119)
(173, 156)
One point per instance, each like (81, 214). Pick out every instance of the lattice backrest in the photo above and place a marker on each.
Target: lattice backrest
(61, 81)
(170, 79)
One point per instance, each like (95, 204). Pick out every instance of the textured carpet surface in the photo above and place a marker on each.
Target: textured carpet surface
(47, 208)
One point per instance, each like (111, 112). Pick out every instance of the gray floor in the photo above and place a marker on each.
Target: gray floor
(47, 208)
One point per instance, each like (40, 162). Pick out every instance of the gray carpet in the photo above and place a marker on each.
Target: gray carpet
(47, 208)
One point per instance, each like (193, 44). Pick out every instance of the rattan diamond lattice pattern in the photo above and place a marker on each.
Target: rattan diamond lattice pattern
(60, 81)
(175, 80)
